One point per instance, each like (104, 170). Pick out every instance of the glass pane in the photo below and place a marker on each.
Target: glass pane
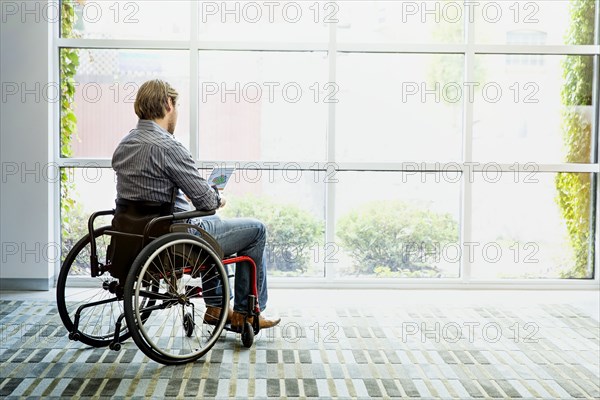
(532, 225)
(397, 107)
(291, 203)
(274, 108)
(267, 21)
(128, 19)
(83, 191)
(398, 224)
(106, 83)
(401, 21)
(533, 108)
(551, 22)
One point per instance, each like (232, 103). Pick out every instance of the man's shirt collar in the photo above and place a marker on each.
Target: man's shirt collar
(149, 125)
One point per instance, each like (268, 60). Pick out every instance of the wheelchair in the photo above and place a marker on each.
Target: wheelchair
(148, 277)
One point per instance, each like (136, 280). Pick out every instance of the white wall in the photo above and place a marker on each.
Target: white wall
(26, 194)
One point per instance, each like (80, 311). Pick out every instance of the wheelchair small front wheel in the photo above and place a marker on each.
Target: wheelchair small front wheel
(188, 324)
(248, 335)
(168, 324)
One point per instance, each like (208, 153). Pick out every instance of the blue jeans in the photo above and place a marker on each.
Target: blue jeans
(244, 237)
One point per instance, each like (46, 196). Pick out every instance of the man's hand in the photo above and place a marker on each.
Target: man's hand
(223, 202)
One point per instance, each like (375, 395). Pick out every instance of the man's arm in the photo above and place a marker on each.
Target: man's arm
(181, 169)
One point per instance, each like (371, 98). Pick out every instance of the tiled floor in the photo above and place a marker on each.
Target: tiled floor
(342, 344)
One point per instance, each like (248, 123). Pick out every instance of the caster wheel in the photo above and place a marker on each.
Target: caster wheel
(248, 335)
(188, 324)
(114, 346)
(74, 336)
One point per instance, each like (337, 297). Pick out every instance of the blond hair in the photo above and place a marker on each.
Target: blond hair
(152, 97)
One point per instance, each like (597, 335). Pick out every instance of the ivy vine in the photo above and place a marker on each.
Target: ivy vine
(69, 61)
(574, 189)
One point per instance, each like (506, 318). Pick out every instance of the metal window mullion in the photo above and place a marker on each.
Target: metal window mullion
(527, 167)
(55, 135)
(83, 162)
(124, 44)
(463, 48)
(416, 166)
(194, 84)
(341, 47)
(185, 44)
(536, 49)
(466, 192)
(330, 186)
(531, 167)
(357, 166)
(264, 165)
(401, 48)
(263, 46)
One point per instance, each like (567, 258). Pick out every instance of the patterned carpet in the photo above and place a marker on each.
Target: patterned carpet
(432, 352)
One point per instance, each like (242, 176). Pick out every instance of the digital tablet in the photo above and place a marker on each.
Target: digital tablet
(219, 177)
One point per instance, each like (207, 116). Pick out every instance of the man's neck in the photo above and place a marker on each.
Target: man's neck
(162, 123)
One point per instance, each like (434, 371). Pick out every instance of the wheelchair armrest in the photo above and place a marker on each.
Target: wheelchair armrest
(93, 218)
(192, 214)
(174, 217)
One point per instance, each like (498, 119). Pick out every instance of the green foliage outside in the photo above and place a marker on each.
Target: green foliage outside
(574, 189)
(395, 239)
(69, 61)
(293, 233)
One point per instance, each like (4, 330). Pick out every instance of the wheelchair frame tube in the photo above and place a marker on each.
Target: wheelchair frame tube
(95, 270)
(253, 288)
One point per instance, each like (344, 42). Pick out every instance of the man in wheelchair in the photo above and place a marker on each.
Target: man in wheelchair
(152, 166)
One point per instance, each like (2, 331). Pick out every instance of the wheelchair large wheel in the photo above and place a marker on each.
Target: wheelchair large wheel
(89, 306)
(189, 276)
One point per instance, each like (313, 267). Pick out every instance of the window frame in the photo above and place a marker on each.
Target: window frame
(469, 49)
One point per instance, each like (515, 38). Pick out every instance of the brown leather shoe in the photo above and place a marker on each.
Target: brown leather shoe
(264, 323)
(211, 316)
(237, 321)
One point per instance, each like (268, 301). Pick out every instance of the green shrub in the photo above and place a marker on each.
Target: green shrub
(394, 238)
(292, 231)
(574, 189)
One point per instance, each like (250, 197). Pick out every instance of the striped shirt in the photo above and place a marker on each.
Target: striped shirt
(150, 162)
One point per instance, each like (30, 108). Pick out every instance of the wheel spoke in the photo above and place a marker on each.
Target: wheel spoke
(95, 325)
(176, 331)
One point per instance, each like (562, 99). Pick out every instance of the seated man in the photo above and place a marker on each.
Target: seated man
(151, 164)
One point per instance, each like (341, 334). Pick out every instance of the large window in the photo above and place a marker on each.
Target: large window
(380, 141)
